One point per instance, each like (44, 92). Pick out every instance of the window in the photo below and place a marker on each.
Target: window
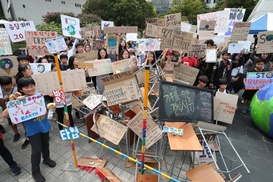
(24, 6)
(215, 1)
(48, 0)
(63, 2)
(78, 5)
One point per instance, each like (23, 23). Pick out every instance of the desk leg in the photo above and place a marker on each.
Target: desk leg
(173, 163)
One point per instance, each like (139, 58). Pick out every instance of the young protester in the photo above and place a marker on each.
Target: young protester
(102, 54)
(124, 54)
(87, 48)
(121, 46)
(166, 62)
(203, 80)
(222, 87)
(190, 60)
(37, 130)
(22, 60)
(150, 60)
(63, 62)
(73, 63)
(7, 90)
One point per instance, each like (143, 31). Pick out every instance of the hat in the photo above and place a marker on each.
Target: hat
(131, 50)
(169, 52)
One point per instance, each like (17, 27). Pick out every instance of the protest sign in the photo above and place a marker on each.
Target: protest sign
(120, 88)
(153, 31)
(40, 67)
(30, 108)
(74, 80)
(86, 56)
(235, 48)
(109, 129)
(112, 40)
(152, 21)
(240, 31)
(225, 107)
(100, 67)
(235, 15)
(206, 29)
(185, 27)
(265, 43)
(16, 30)
(131, 37)
(121, 29)
(122, 65)
(148, 44)
(173, 21)
(161, 22)
(97, 31)
(36, 41)
(153, 132)
(87, 32)
(70, 26)
(55, 45)
(219, 39)
(175, 40)
(257, 80)
(105, 24)
(246, 45)
(185, 74)
(45, 83)
(93, 100)
(197, 50)
(5, 47)
(211, 56)
(8, 66)
(85, 65)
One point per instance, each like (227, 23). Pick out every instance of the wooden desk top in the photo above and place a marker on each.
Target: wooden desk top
(187, 142)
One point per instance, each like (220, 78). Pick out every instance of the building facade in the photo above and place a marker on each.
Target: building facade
(35, 9)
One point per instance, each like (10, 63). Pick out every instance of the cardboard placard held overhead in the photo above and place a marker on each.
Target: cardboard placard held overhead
(112, 41)
(100, 67)
(70, 26)
(240, 31)
(235, 48)
(153, 31)
(109, 129)
(87, 56)
(185, 74)
(8, 66)
(197, 50)
(235, 15)
(211, 56)
(206, 29)
(173, 21)
(85, 65)
(152, 21)
(120, 29)
(36, 41)
(5, 47)
(120, 88)
(225, 107)
(74, 80)
(122, 65)
(265, 43)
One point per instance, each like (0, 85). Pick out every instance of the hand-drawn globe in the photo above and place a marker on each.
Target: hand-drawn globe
(261, 110)
(71, 30)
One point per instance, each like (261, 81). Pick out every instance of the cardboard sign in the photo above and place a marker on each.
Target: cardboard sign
(240, 31)
(153, 132)
(235, 15)
(206, 29)
(120, 88)
(257, 80)
(149, 44)
(121, 29)
(40, 67)
(87, 56)
(109, 129)
(16, 30)
(205, 157)
(29, 108)
(55, 45)
(105, 24)
(225, 107)
(235, 48)
(173, 21)
(8, 66)
(70, 26)
(131, 37)
(161, 22)
(85, 65)
(112, 40)
(100, 67)
(211, 56)
(87, 32)
(185, 74)
(152, 21)
(197, 50)
(93, 100)
(175, 40)
(5, 47)
(246, 45)
(36, 41)
(91, 162)
(122, 65)
(72, 80)
(153, 31)
(265, 44)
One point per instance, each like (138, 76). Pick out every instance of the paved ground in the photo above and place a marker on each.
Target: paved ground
(255, 148)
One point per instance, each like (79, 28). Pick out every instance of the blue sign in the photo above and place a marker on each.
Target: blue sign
(70, 133)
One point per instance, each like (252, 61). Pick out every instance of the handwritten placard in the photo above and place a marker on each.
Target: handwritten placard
(5, 47)
(109, 129)
(240, 31)
(235, 15)
(55, 45)
(211, 56)
(70, 26)
(149, 44)
(265, 43)
(87, 56)
(175, 40)
(112, 40)
(105, 24)
(246, 45)
(225, 107)
(152, 21)
(16, 30)
(153, 31)
(206, 29)
(161, 22)
(74, 80)
(197, 50)
(8, 66)
(185, 74)
(29, 108)
(122, 65)
(121, 29)
(40, 67)
(153, 132)
(235, 48)
(36, 41)
(93, 100)
(85, 65)
(120, 88)
(131, 37)
(257, 80)
(100, 67)
(173, 21)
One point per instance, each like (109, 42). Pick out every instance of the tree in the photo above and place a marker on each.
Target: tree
(87, 19)
(56, 17)
(51, 26)
(246, 4)
(189, 9)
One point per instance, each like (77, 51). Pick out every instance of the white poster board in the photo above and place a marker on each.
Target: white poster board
(40, 67)
(5, 47)
(106, 24)
(246, 45)
(211, 55)
(70, 26)
(235, 15)
(100, 67)
(56, 45)
(235, 48)
(131, 37)
(16, 30)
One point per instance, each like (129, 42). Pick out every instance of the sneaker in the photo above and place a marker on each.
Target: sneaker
(38, 177)
(49, 162)
(2, 129)
(25, 144)
(244, 110)
(15, 169)
(16, 137)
